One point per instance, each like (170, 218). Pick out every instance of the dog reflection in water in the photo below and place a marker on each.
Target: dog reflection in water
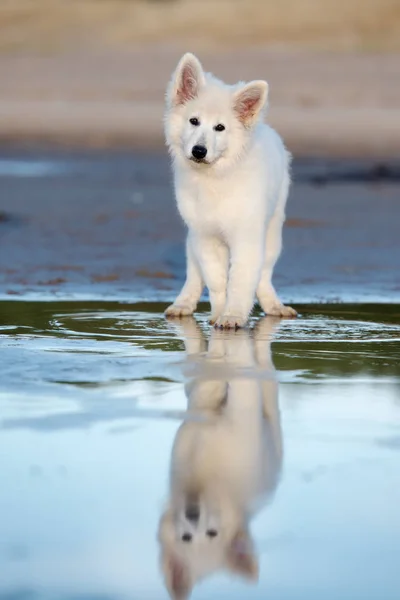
(226, 458)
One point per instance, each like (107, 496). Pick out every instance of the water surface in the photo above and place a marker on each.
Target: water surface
(286, 437)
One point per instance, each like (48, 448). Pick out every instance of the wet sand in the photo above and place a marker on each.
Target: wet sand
(104, 225)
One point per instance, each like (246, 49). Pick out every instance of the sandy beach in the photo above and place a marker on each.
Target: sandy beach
(323, 104)
(93, 73)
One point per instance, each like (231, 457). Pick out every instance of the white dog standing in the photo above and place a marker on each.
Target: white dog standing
(231, 176)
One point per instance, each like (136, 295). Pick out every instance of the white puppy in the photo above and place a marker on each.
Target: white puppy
(231, 175)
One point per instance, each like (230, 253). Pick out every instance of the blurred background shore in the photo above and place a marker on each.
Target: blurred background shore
(93, 72)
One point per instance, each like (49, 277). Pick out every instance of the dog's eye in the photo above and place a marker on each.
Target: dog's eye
(186, 537)
(194, 121)
(219, 127)
(212, 533)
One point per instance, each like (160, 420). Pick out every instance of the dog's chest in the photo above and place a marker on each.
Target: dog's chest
(208, 207)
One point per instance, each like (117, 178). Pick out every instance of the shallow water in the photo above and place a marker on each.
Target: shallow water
(290, 450)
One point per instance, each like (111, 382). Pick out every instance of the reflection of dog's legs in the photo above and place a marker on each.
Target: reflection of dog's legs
(208, 391)
(203, 392)
(193, 337)
(263, 334)
(216, 346)
(244, 405)
(185, 304)
(239, 349)
(224, 352)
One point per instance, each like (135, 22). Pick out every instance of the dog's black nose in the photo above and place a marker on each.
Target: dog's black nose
(192, 512)
(199, 152)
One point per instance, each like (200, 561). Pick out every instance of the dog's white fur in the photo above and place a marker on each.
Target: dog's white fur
(233, 201)
(226, 457)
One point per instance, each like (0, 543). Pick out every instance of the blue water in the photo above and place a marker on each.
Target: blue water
(92, 399)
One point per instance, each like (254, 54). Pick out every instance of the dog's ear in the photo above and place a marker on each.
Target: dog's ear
(187, 80)
(249, 100)
(241, 558)
(177, 576)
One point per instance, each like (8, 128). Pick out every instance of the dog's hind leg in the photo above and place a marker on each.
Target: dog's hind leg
(185, 304)
(266, 294)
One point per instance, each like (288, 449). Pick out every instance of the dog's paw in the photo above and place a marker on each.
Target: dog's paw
(229, 322)
(213, 319)
(177, 311)
(280, 310)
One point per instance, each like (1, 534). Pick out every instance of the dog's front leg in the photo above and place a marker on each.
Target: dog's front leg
(244, 275)
(186, 302)
(213, 258)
